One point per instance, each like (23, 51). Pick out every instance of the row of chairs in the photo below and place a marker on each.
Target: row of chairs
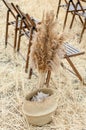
(75, 8)
(25, 26)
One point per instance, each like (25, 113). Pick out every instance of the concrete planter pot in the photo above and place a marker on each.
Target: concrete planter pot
(39, 113)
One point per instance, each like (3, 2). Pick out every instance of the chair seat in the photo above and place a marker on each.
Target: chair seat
(14, 24)
(71, 8)
(72, 51)
(26, 33)
(81, 14)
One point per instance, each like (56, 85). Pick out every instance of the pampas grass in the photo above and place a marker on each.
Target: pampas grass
(47, 46)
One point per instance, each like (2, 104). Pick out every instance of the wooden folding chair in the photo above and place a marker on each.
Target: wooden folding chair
(30, 24)
(70, 52)
(15, 22)
(82, 15)
(70, 7)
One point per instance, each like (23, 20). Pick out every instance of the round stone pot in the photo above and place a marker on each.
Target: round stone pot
(39, 113)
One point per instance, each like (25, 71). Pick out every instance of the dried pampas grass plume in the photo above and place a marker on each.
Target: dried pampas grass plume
(47, 46)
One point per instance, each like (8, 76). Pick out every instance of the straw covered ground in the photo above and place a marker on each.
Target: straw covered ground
(14, 82)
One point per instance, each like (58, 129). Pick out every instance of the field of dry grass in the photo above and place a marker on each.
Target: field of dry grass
(14, 82)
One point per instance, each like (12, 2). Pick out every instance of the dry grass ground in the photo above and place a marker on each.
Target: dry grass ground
(14, 82)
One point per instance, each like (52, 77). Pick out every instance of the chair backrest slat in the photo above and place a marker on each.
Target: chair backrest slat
(31, 21)
(20, 14)
(66, 1)
(28, 19)
(16, 9)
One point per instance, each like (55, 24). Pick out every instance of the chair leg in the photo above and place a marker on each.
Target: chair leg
(15, 38)
(19, 39)
(72, 21)
(74, 69)
(7, 24)
(84, 26)
(27, 60)
(66, 15)
(81, 20)
(30, 73)
(65, 20)
(58, 9)
(78, 4)
(48, 78)
(73, 14)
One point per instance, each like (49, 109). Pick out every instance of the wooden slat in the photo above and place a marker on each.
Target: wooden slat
(14, 23)
(71, 51)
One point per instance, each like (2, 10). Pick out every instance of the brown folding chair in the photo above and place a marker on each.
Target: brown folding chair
(70, 52)
(70, 7)
(27, 20)
(22, 23)
(30, 24)
(82, 15)
(15, 22)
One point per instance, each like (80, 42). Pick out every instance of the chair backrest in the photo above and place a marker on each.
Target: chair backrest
(30, 21)
(22, 15)
(26, 18)
(80, 5)
(76, 5)
(10, 8)
(66, 5)
(67, 2)
(71, 2)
